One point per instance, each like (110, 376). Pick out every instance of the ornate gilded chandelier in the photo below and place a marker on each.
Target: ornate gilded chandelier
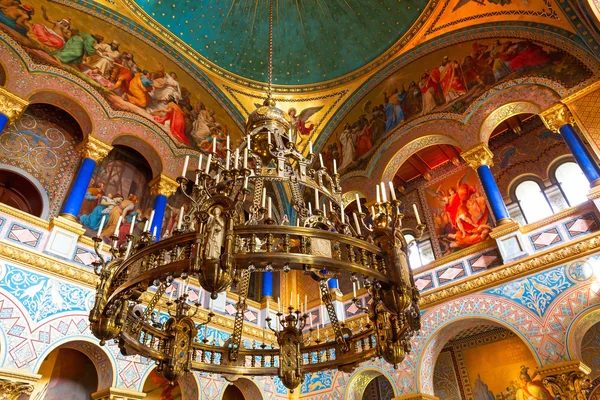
(229, 233)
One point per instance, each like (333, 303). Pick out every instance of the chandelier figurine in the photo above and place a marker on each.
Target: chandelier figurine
(228, 232)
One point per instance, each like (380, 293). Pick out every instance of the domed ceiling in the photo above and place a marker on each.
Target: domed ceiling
(314, 40)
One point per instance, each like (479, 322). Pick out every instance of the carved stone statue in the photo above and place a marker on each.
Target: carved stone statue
(216, 234)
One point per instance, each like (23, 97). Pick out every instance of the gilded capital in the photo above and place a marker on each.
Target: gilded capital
(95, 149)
(14, 390)
(568, 380)
(12, 106)
(163, 185)
(557, 116)
(478, 156)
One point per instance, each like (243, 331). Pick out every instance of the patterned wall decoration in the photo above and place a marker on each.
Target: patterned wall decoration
(445, 382)
(590, 350)
(42, 142)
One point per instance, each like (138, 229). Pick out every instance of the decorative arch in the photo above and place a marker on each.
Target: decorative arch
(155, 160)
(578, 328)
(38, 186)
(359, 380)
(103, 361)
(248, 387)
(440, 332)
(412, 147)
(504, 112)
(188, 383)
(66, 103)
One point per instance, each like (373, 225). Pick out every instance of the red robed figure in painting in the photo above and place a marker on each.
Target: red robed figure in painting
(175, 115)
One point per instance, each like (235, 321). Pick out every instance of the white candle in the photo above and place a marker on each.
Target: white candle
(171, 293)
(378, 195)
(132, 225)
(185, 165)
(383, 192)
(305, 303)
(269, 208)
(146, 226)
(354, 289)
(206, 331)
(101, 225)
(212, 305)
(358, 203)
(154, 231)
(334, 166)
(297, 220)
(180, 219)
(311, 323)
(248, 141)
(236, 163)
(118, 225)
(278, 305)
(373, 211)
(316, 199)
(227, 158)
(214, 145)
(309, 208)
(264, 198)
(128, 249)
(343, 214)
(330, 207)
(227, 142)
(151, 219)
(200, 162)
(392, 191)
(321, 160)
(417, 214)
(356, 224)
(310, 149)
(318, 334)
(208, 164)
(246, 182)
(218, 178)
(246, 158)
(269, 137)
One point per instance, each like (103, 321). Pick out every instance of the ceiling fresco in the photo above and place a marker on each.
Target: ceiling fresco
(446, 81)
(124, 70)
(314, 40)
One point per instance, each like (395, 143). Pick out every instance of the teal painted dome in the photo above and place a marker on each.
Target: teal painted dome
(314, 40)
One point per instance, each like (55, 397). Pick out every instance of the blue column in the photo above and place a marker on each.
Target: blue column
(492, 192)
(160, 204)
(266, 289)
(333, 284)
(3, 121)
(580, 152)
(84, 176)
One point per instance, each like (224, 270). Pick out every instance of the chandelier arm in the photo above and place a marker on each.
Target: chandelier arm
(150, 307)
(328, 302)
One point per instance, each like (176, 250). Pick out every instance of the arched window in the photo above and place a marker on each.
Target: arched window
(419, 253)
(573, 183)
(532, 201)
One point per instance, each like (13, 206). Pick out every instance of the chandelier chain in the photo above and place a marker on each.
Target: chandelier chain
(270, 72)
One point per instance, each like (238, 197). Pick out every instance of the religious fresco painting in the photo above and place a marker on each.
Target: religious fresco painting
(119, 187)
(448, 81)
(459, 211)
(158, 388)
(127, 72)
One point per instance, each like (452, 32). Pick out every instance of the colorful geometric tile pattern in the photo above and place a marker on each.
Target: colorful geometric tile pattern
(545, 239)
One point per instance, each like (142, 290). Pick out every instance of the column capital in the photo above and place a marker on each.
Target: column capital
(11, 105)
(417, 396)
(567, 380)
(164, 185)
(478, 156)
(557, 116)
(95, 149)
(14, 383)
(118, 394)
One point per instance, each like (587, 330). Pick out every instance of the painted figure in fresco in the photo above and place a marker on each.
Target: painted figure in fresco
(16, 16)
(139, 87)
(93, 219)
(121, 209)
(301, 127)
(464, 218)
(92, 197)
(348, 141)
(414, 102)
(78, 46)
(174, 116)
(530, 389)
(165, 88)
(54, 37)
(451, 80)
(106, 55)
(429, 89)
(393, 108)
(126, 224)
(364, 142)
(216, 234)
(481, 390)
(122, 74)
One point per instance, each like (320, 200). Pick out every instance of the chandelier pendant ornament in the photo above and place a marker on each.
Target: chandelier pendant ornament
(228, 232)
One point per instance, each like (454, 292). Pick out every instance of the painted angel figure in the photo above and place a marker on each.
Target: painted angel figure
(216, 234)
(301, 125)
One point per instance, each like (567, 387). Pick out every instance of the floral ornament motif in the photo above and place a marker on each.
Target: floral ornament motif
(164, 185)
(536, 292)
(580, 270)
(478, 156)
(95, 149)
(557, 116)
